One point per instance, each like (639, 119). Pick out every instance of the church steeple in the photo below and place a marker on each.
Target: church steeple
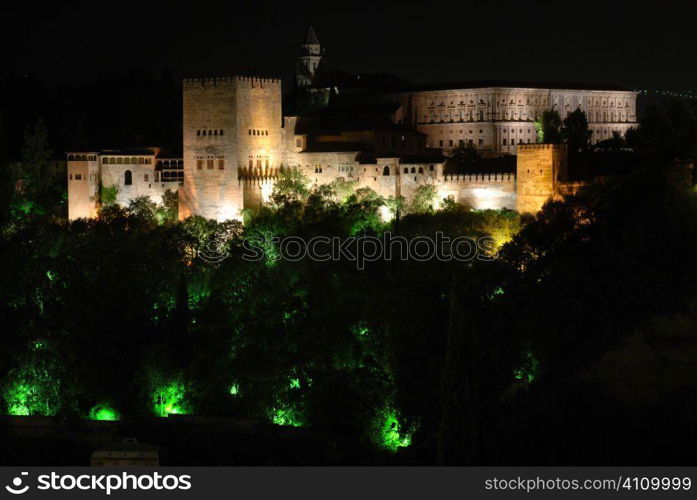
(308, 60)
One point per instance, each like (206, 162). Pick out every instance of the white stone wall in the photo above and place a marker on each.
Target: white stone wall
(83, 185)
(487, 115)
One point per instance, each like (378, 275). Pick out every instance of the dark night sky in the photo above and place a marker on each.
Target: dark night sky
(637, 44)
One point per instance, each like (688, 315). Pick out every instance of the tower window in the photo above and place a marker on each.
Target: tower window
(128, 178)
(199, 164)
(209, 164)
(221, 164)
(386, 170)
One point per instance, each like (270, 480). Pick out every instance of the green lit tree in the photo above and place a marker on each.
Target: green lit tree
(144, 209)
(168, 210)
(292, 186)
(548, 126)
(425, 198)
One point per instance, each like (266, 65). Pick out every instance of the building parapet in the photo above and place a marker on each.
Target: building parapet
(223, 81)
(531, 147)
(480, 177)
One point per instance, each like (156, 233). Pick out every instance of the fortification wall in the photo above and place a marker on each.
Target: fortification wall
(481, 191)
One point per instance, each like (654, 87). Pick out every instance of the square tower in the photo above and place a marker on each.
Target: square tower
(540, 170)
(231, 125)
(83, 184)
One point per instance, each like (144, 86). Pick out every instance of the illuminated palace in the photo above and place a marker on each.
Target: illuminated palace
(392, 137)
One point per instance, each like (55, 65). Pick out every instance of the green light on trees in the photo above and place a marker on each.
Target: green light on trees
(235, 389)
(286, 413)
(25, 399)
(35, 393)
(529, 369)
(103, 412)
(286, 416)
(294, 383)
(170, 400)
(389, 433)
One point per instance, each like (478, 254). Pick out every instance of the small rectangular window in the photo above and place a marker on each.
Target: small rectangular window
(209, 164)
(221, 164)
(199, 164)
(146, 177)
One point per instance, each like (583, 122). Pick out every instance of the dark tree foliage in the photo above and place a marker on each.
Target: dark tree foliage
(575, 131)
(549, 127)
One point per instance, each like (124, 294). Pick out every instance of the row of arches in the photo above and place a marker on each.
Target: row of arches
(387, 171)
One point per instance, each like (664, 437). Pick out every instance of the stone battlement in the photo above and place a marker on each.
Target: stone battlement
(224, 81)
(255, 174)
(480, 177)
(538, 147)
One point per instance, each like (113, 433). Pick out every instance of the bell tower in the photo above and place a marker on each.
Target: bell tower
(308, 60)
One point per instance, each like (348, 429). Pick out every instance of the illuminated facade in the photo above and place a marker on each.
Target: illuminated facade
(499, 116)
(128, 174)
(236, 140)
(230, 124)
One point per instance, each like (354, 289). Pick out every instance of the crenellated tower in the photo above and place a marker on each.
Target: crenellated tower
(232, 126)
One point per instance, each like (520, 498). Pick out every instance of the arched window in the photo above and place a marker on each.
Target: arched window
(386, 170)
(406, 170)
(413, 170)
(127, 178)
(421, 170)
(198, 132)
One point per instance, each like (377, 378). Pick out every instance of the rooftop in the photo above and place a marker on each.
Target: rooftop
(511, 84)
